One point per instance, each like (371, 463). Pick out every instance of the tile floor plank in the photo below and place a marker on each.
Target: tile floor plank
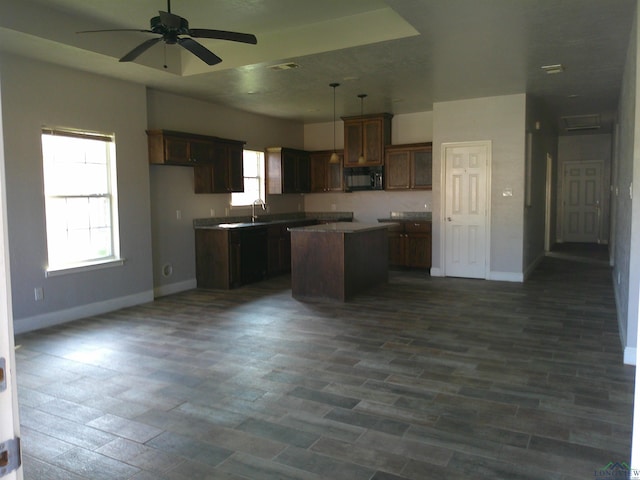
(422, 378)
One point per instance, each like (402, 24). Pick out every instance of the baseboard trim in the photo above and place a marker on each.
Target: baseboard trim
(630, 355)
(506, 277)
(29, 324)
(499, 276)
(436, 272)
(533, 265)
(172, 288)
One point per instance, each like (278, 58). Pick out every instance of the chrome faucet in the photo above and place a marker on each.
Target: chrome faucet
(257, 201)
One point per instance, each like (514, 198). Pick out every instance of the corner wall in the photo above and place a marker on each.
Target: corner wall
(501, 120)
(540, 129)
(37, 94)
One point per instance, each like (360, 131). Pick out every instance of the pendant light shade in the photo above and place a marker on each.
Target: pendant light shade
(361, 158)
(334, 156)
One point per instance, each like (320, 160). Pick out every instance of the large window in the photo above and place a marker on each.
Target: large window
(80, 198)
(253, 166)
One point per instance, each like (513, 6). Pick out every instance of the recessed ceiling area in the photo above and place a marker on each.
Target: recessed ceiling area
(421, 52)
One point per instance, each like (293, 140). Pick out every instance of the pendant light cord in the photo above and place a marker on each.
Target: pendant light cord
(334, 155)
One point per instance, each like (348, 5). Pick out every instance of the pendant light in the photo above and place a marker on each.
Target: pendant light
(334, 156)
(361, 158)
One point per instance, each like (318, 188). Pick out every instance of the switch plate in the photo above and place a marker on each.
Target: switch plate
(38, 294)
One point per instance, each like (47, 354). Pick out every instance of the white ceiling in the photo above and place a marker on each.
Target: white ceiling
(405, 54)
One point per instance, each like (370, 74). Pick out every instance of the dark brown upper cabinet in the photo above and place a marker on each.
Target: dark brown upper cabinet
(408, 167)
(367, 135)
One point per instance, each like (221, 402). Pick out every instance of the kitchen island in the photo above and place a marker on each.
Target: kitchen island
(335, 261)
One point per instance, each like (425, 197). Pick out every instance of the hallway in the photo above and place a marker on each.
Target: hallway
(423, 378)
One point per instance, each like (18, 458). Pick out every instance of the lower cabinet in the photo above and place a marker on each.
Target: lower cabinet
(410, 244)
(279, 246)
(228, 259)
(231, 258)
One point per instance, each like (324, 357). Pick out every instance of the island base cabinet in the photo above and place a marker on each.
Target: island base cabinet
(335, 265)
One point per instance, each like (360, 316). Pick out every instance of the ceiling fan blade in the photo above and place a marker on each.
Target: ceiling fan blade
(170, 20)
(223, 35)
(133, 54)
(199, 51)
(116, 30)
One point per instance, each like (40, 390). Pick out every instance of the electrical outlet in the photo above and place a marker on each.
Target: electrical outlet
(38, 294)
(212, 212)
(178, 214)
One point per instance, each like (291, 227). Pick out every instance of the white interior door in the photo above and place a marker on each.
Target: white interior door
(465, 209)
(582, 201)
(10, 460)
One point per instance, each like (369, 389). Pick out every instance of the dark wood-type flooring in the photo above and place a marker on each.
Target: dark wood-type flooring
(423, 378)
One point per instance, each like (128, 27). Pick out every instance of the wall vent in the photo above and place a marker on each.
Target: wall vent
(283, 66)
(582, 122)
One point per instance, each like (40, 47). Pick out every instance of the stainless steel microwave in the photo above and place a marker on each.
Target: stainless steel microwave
(363, 178)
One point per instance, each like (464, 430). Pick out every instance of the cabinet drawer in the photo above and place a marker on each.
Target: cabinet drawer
(417, 227)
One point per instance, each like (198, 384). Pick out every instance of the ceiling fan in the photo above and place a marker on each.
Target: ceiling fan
(171, 29)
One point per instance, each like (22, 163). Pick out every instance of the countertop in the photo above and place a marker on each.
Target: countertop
(226, 223)
(341, 227)
(407, 217)
(245, 225)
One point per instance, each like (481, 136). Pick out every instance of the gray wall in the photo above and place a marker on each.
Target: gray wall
(542, 133)
(626, 271)
(37, 94)
(172, 187)
(501, 120)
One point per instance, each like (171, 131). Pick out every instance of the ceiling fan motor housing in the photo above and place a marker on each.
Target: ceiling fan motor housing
(170, 32)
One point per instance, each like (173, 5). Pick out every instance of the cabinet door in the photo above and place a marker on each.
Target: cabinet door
(200, 151)
(319, 164)
(176, 150)
(220, 171)
(418, 247)
(303, 173)
(397, 170)
(396, 249)
(335, 179)
(289, 160)
(236, 169)
(373, 144)
(235, 252)
(253, 255)
(396, 245)
(352, 142)
(421, 169)
(418, 250)
(203, 179)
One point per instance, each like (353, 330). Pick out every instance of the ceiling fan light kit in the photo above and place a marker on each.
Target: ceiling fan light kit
(171, 27)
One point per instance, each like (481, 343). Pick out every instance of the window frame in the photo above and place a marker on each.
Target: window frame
(261, 180)
(85, 264)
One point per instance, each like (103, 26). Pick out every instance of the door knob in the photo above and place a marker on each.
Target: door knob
(448, 219)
